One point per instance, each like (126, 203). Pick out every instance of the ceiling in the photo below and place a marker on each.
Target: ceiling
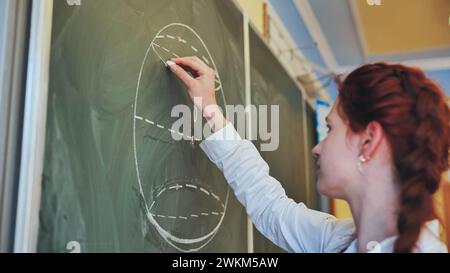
(396, 30)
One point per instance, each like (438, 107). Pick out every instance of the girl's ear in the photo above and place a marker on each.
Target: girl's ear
(371, 139)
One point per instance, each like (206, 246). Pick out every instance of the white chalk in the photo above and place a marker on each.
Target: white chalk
(169, 63)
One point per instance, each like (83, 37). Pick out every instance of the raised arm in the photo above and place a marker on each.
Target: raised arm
(290, 225)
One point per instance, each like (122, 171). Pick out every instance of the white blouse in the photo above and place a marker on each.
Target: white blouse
(289, 225)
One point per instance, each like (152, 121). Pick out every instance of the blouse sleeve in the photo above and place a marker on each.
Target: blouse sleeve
(290, 225)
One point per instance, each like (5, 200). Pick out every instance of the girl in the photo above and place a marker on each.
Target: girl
(388, 144)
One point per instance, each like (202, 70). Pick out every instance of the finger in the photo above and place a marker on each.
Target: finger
(197, 60)
(181, 74)
(193, 63)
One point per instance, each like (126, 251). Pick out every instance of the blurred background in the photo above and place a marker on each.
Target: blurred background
(337, 36)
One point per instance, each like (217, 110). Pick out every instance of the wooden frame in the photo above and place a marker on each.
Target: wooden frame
(14, 20)
(34, 125)
(266, 22)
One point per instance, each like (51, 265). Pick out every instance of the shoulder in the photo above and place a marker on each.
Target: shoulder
(342, 236)
(429, 241)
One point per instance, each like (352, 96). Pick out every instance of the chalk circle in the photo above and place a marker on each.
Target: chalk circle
(197, 205)
(170, 42)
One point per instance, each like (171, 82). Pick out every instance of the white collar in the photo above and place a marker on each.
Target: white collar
(428, 242)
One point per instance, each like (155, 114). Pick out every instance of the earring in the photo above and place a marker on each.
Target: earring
(362, 159)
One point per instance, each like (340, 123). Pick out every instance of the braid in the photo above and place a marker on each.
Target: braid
(420, 169)
(415, 117)
(415, 208)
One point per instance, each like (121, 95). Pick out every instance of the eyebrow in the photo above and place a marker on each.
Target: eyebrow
(327, 119)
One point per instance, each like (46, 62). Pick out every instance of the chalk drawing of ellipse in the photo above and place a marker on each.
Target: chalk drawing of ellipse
(207, 214)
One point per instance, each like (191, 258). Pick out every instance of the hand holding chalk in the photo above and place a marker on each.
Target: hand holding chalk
(200, 82)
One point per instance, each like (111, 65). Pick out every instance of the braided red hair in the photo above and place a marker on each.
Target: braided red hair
(416, 119)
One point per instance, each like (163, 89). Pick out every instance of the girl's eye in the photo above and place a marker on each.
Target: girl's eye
(329, 128)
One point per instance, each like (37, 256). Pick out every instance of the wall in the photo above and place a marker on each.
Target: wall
(255, 11)
(442, 77)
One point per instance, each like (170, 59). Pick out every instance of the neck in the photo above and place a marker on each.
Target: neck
(375, 210)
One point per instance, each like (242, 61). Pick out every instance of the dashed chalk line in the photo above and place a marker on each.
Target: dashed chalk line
(177, 187)
(206, 60)
(168, 129)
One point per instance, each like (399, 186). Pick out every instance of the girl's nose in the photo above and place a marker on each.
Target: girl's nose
(316, 151)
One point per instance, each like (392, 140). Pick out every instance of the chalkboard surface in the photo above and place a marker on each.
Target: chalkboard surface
(314, 198)
(271, 85)
(114, 179)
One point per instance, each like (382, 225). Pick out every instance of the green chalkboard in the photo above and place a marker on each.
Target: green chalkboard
(314, 198)
(271, 85)
(114, 179)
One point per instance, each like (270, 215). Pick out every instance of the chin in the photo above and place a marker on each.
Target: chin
(321, 188)
(324, 188)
